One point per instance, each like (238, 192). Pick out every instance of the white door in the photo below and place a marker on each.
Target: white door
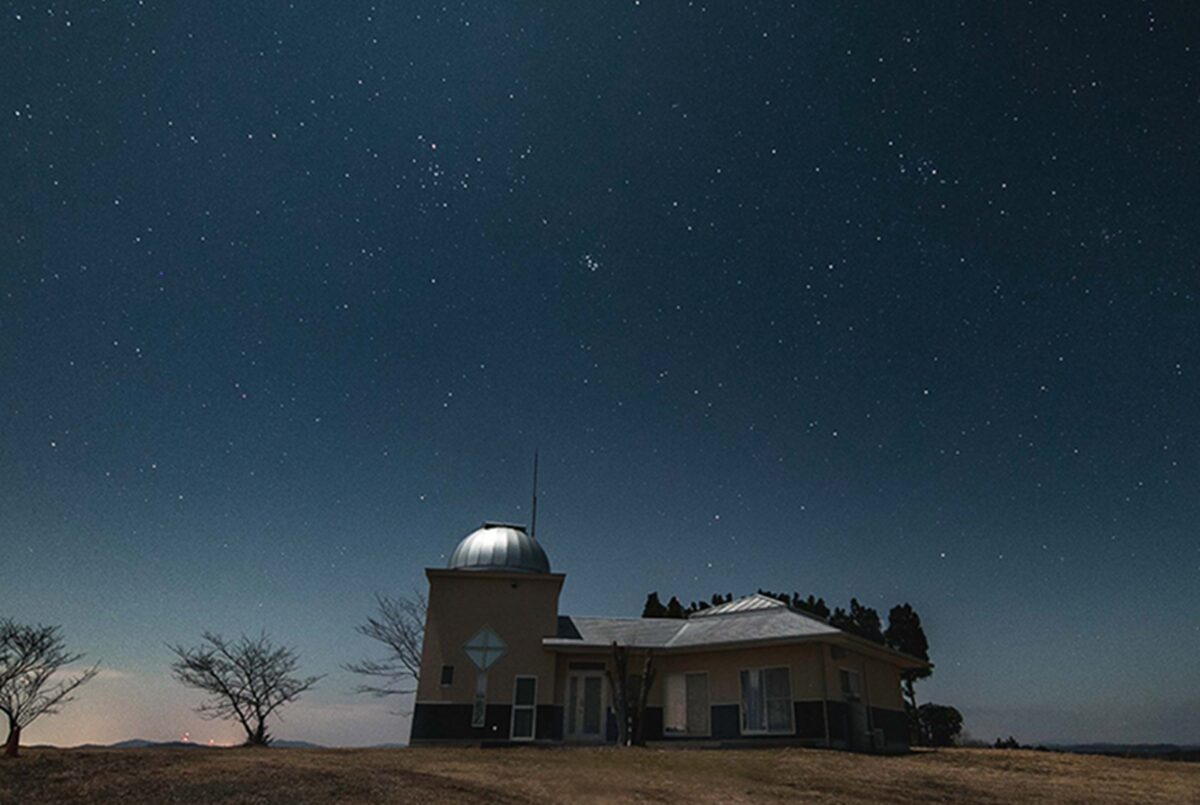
(524, 709)
(585, 706)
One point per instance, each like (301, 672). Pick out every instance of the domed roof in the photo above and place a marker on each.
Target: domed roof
(498, 546)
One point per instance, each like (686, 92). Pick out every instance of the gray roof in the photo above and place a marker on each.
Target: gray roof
(651, 632)
(750, 603)
(497, 546)
(750, 619)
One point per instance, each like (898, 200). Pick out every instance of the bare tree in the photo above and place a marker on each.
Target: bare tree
(629, 694)
(30, 658)
(399, 625)
(247, 680)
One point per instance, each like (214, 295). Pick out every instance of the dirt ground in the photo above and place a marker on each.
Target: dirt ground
(585, 775)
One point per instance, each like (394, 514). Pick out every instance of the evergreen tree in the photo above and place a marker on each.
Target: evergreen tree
(654, 607)
(861, 621)
(675, 609)
(941, 725)
(840, 619)
(812, 605)
(777, 596)
(904, 633)
(866, 622)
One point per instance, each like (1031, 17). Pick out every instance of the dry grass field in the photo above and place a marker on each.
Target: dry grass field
(584, 775)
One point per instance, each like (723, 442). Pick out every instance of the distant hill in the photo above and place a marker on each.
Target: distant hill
(132, 743)
(141, 743)
(1188, 752)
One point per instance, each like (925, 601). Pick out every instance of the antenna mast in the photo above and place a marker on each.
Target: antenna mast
(533, 516)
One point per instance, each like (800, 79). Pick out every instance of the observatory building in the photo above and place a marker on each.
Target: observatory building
(501, 664)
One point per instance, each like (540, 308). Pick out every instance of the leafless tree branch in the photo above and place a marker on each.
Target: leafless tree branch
(247, 679)
(30, 658)
(399, 624)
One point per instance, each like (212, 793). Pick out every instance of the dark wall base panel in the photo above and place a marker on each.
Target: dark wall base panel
(549, 722)
(894, 724)
(725, 721)
(440, 722)
(452, 722)
(839, 721)
(810, 720)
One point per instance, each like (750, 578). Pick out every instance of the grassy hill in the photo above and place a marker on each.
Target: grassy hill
(601, 774)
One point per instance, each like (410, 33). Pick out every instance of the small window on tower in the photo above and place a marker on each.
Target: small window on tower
(447, 675)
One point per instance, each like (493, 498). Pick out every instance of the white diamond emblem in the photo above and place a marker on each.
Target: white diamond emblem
(485, 648)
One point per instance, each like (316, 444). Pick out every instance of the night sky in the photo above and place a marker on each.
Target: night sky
(850, 299)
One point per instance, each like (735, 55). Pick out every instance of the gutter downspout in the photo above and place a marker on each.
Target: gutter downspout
(867, 699)
(825, 691)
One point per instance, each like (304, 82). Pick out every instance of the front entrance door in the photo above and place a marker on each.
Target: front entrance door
(585, 706)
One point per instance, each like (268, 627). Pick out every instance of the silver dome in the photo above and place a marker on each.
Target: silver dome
(497, 546)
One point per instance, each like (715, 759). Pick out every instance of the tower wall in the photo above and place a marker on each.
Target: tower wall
(522, 608)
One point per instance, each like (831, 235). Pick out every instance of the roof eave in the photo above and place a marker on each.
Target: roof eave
(563, 644)
(516, 575)
(879, 651)
(859, 644)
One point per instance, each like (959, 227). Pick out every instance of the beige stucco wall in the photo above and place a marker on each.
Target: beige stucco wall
(880, 679)
(521, 608)
(724, 668)
(814, 672)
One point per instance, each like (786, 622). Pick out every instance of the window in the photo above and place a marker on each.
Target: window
(447, 675)
(675, 699)
(524, 707)
(686, 711)
(767, 700)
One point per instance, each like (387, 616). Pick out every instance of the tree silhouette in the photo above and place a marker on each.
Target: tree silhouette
(629, 694)
(653, 608)
(866, 622)
(940, 724)
(29, 657)
(904, 633)
(675, 609)
(781, 597)
(812, 605)
(247, 680)
(861, 621)
(400, 626)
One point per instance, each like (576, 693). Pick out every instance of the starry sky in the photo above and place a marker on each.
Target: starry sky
(895, 301)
